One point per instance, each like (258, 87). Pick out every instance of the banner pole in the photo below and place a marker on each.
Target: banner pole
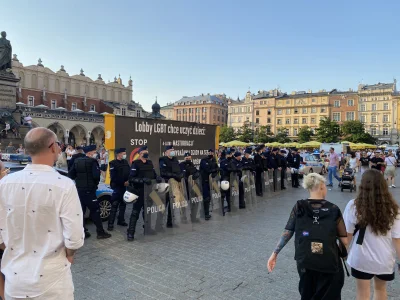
(109, 141)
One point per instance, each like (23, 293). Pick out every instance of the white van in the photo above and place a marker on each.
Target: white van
(339, 148)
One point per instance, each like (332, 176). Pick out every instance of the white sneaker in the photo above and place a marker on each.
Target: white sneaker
(393, 186)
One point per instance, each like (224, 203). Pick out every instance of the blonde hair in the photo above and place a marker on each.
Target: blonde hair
(313, 181)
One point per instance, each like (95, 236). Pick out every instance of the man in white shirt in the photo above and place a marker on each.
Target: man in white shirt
(41, 224)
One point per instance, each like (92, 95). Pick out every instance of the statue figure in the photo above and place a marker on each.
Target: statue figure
(5, 52)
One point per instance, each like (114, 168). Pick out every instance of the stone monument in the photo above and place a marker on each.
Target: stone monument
(8, 81)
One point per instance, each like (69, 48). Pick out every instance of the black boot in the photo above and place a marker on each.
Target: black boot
(111, 218)
(130, 237)
(122, 223)
(87, 234)
(132, 224)
(101, 235)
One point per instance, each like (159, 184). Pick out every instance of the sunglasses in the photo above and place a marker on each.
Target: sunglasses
(58, 143)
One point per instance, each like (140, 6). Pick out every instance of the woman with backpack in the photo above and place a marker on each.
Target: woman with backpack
(373, 219)
(317, 225)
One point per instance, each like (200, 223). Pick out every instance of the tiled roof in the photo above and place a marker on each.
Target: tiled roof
(170, 106)
(379, 86)
(200, 99)
(117, 105)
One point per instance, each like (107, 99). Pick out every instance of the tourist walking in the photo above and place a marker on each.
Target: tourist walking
(373, 220)
(390, 171)
(333, 166)
(40, 224)
(317, 225)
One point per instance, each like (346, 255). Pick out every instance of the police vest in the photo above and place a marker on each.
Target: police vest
(315, 237)
(172, 165)
(84, 173)
(122, 170)
(144, 170)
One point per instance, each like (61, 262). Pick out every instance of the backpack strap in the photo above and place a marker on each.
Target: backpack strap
(361, 235)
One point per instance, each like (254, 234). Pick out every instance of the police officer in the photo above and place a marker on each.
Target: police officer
(227, 166)
(79, 153)
(283, 165)
(295, 165)
(189, 169)
(258, 161)
(274, 164)
(86, 173)
(169, 168)
(208, 166)
(239, 166)
(142, 172)
(119, 175)
(247, 161)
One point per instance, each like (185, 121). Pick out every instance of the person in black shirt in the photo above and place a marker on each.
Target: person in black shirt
(258, 160)
(377, 162)
(295, 165)
(364, 162)
(283, 164)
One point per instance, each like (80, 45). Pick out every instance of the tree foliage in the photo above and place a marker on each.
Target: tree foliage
(282, 135)
(227, 134)
(354, 131)
(263, 135)
(305, 134)
(328, 131)
(246, 133)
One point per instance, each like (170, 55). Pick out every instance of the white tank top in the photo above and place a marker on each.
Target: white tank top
(353, 162)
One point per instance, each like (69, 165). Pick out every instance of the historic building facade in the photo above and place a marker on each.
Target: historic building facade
(72, 106)
(378, 111)
(206, 109)
(241, 111)
(343, 106)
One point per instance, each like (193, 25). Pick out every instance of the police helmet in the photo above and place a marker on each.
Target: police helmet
(130, 197)
(224, 185)
(162, 187)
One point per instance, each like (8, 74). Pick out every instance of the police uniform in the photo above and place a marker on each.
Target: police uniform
(77, 155)
(208, 166)
(239, 168)
(295, 165)
(86, 173)
(283, 165)
(258, 161)
(227, 167)
(274, 163)
(119, 174)
(169, 168)
(141, 173)
(189, 169)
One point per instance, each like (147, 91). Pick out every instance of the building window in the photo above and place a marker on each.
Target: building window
(288, 111)
(296, 110)
(287, 121)
(257, 121)
(385, 118)
(304, 110)
(373, 131)
(385, 131)
(323, 109)
(295, 131)
(287, 101)
(31, 101)
(336, 116)
(296, 121)
(362, 118)
(269, 112)
(53, 104)
(373, 106)
(279, 121)
(73, 106)
(304, 120)
(93, 108)
(350, 116)
(268, 120)
(336, 103)
(350, 102)
(313, 109)
(247, 119)
(385, 106)
(313, 100)
(362, 107)
(204, 109)
(373, 119)
(123, 110)
(312, 120)
(138, 113)
(257, 112)
(279, 111)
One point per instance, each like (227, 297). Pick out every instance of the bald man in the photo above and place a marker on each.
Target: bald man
(41, 224)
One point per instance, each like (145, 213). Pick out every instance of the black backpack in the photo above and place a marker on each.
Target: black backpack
(316, 245)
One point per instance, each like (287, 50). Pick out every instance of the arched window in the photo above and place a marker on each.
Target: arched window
(96, 93)
(21, 79)
(57, 86)
(34, 81)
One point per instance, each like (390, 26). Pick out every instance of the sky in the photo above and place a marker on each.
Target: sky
(176, 48)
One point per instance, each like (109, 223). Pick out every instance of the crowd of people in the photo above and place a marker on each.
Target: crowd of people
(42, 221)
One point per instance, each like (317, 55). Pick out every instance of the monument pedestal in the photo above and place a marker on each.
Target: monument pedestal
(8, 90)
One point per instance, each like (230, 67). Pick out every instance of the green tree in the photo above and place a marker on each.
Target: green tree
(305, 134)
(246, 133)
(282, 135)
(363, 137)
(328, 131)
(227, 134)
(263, 135)
(354, 131)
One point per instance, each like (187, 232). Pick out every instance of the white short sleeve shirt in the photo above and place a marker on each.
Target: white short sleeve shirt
(377, 254)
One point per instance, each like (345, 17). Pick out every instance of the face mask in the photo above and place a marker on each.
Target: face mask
(172, 154)
(145, 155)
(252, 156)
(210, 156)
(124, 156)
(188, 160)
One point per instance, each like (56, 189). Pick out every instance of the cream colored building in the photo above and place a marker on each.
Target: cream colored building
(301, 109)
(241, 111)
(168, 111)
(378, 111)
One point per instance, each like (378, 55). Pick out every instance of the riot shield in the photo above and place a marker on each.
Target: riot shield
(216, 205)
(288, 175)
(234, 189)
(195, 199)
(271, 181)
(253, 187)
(155, 212)
(248, 197)
(278, 179)
(180, 210)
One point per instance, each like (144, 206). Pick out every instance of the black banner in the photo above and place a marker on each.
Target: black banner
(133, 133)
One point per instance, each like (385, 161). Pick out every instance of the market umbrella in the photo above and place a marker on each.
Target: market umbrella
(291, 145)
(310, 144)
(236, 144)
(273, 144)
